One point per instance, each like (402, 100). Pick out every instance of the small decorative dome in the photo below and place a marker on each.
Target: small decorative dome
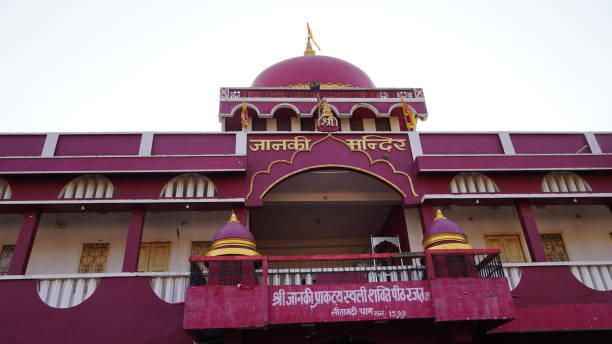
(444, 234)
(233, 239)
(300, 71)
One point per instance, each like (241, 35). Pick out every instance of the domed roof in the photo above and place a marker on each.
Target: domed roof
(443, 226)
(302, 70)
(233, 230)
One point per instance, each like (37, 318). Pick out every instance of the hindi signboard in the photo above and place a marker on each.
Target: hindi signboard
(350, 302)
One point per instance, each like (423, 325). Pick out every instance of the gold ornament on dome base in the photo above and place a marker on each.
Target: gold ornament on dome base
(326, 121)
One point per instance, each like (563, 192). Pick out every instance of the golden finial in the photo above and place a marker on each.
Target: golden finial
(439, 215)
(233, 218)
(309, 50)
(326, 109)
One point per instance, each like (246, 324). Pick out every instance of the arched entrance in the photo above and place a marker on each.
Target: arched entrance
(327, 210)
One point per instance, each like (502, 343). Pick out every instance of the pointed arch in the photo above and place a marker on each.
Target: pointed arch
(89, 186)
(189, 185)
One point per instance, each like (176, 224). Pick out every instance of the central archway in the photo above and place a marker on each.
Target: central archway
(325, 210)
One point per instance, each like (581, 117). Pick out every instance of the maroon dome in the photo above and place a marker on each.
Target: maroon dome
(302, 70)
(234, 229)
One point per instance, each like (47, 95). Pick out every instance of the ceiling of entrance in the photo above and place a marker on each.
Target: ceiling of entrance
(332, 185)
(317, 221)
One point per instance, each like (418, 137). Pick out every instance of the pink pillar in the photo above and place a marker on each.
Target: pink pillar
(240, 214)
(530, 229)
(132, 245)
(396, 225)
(426, 215)
(23, 248)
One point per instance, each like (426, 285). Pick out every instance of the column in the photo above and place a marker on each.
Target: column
(530, 230)
(241, 215)
(132, 245)
(426, 215)
(395, 225)
(25, 240)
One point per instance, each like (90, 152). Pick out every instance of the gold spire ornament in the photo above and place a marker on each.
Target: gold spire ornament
(309, 50)
(233, 218)
(439, 215)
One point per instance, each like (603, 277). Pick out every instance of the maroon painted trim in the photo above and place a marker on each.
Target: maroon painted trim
(25, 240)
(470, 251)
(132, 244)
(512, 162)
(240, 214)
(530, 230)
(292, 258)
(121, 164)
(395, 225)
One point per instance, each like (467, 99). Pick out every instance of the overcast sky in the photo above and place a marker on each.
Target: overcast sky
(158, 65)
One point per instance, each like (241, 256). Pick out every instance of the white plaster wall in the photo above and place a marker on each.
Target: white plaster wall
(415, 234)
(192, 226)
(60, 237)
(9, 228)
(369, 124)
(476, 222)
(584, 229)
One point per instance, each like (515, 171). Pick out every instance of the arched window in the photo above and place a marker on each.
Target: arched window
(88, 186)
(5, 189)
(189, 185)
(472, 182)
(564, 182)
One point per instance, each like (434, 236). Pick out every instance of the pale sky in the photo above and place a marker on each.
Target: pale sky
(126, 65)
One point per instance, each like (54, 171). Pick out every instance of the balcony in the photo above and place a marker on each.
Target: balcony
(276, 291)
(247, 292)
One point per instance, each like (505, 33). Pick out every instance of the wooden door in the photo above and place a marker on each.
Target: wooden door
(154, 257)
(510, 246)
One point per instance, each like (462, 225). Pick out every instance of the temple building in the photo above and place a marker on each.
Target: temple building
(318, 214)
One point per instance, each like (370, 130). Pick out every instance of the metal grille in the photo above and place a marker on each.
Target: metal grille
(5, 258)
(564, 182)
(400, 267)
(554, 247)
(200, 248)
(472, 182)
(189, 185)
(93, 258)
(88, 186)
(5, 189)
(468, 265)
(221, 272)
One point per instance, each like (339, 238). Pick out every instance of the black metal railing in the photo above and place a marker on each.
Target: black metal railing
(225, 272)
(467, 265)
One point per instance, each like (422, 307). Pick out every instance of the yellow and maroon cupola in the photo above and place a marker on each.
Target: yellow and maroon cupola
(444, 234)
(233, 239)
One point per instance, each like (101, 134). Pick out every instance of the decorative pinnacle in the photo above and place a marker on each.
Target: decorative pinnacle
(309, 50)
(233, 218)
(439, 215)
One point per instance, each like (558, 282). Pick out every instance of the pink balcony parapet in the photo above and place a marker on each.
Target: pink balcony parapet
(254, 291)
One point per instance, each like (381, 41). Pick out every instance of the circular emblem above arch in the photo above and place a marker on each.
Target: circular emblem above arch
(385, 158)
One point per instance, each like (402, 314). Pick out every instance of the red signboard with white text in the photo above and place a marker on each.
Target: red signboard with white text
(350, 302)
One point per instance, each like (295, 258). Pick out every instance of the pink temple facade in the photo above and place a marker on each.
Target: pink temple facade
(274, 231)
